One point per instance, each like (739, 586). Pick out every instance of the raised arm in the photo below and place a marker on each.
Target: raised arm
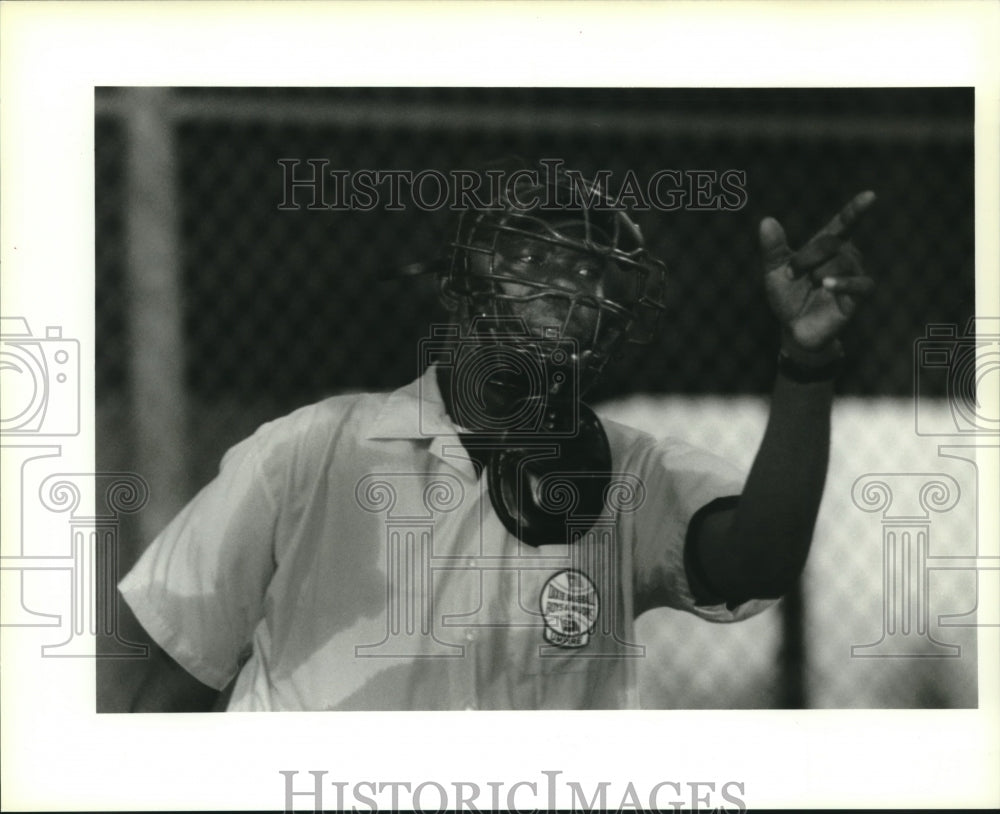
(758, 548)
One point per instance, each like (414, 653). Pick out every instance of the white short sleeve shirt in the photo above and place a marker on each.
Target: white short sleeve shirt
(347, 557)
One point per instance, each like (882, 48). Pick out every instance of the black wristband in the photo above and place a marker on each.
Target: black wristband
(808, 374)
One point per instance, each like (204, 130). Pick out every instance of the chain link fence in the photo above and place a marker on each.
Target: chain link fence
(278, 307)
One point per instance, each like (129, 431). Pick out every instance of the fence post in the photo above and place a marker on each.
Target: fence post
(153, 272)
(792, 657)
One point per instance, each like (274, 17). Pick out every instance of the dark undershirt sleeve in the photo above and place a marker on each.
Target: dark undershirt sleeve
(700, 586)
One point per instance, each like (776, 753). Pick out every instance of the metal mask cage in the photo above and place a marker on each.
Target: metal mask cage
(602, 231)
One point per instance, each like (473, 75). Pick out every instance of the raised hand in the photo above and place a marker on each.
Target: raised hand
(815, 290)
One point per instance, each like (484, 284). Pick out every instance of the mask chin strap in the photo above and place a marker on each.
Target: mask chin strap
(544, 496)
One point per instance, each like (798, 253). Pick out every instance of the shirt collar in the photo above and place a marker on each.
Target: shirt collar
(417, 412)
(413, 411)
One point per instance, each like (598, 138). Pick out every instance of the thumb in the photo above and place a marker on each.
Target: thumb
(773, 245)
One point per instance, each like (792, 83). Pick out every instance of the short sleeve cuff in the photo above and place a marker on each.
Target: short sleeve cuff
(168, 638)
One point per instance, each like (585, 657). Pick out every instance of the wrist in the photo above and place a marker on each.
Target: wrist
(821, 356)
(809, 365)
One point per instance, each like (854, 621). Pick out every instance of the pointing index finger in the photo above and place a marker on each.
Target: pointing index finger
(848, 216)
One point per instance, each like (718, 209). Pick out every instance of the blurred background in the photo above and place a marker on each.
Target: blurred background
(217, 311)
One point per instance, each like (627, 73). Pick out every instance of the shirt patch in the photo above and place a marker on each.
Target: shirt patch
(570, 607)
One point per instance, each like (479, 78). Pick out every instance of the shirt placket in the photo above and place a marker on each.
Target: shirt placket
(456, 561)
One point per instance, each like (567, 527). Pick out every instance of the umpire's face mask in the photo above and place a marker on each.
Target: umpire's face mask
(557, 292)
(519, 378)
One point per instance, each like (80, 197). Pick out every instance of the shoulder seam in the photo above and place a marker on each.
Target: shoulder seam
(259, 468)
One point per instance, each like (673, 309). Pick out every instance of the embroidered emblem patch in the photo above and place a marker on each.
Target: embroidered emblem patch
(570, 606)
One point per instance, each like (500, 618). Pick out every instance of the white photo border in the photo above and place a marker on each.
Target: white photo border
(58, 754)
